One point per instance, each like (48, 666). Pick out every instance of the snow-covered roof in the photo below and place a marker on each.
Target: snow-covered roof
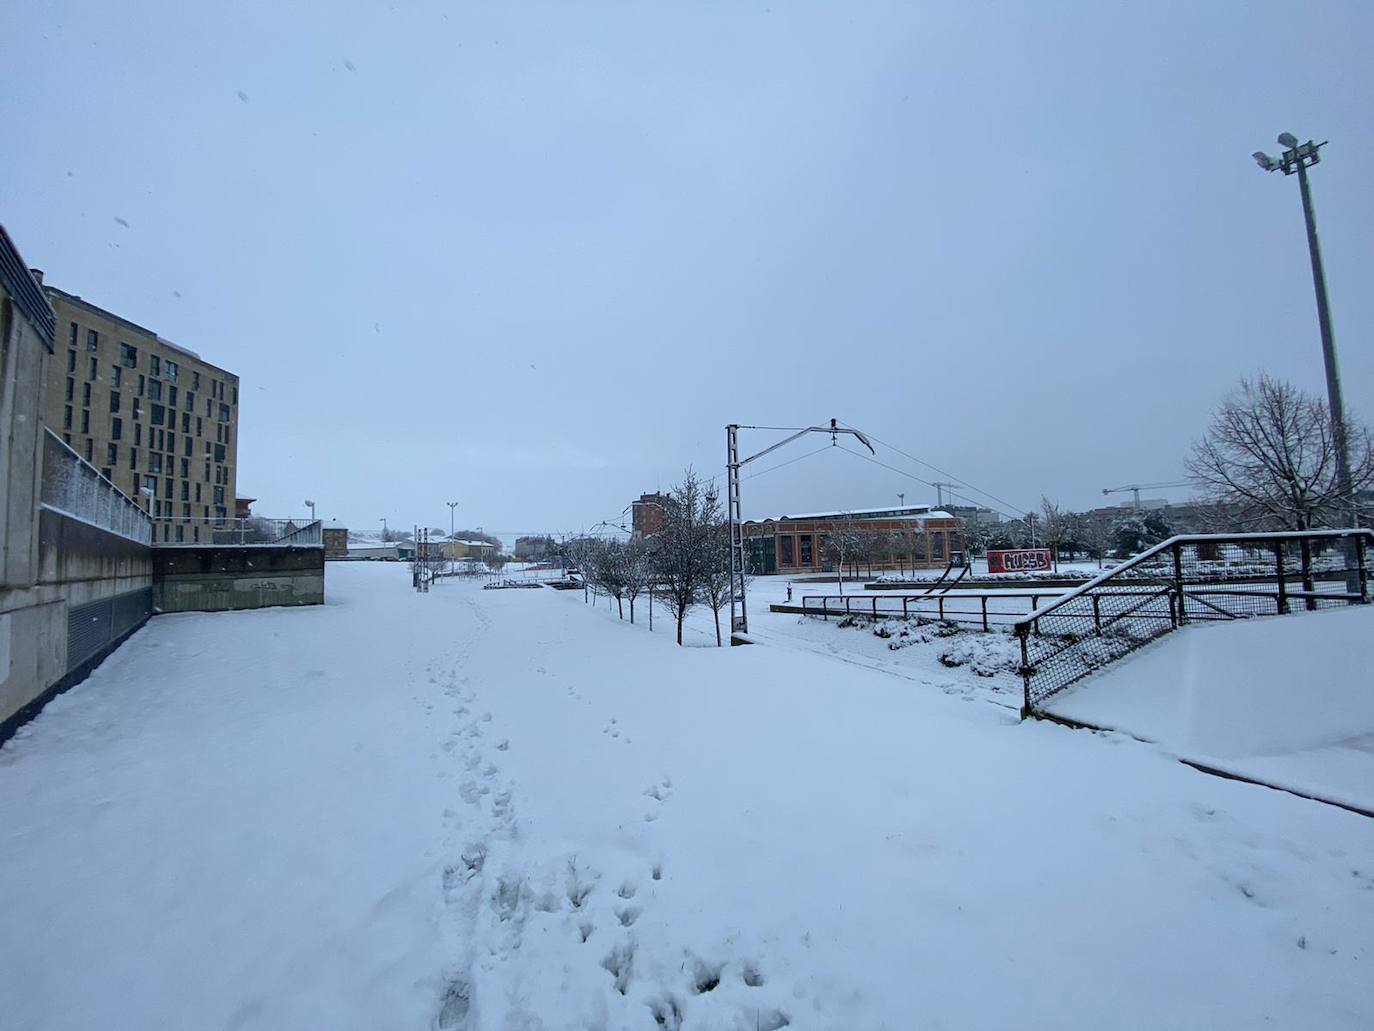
(890, 512)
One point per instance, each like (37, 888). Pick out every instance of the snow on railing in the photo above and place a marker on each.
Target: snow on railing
(74, 488)
(252, 531)
(1188, 578)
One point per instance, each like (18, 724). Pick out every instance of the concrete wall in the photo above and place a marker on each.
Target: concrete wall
(213, 579)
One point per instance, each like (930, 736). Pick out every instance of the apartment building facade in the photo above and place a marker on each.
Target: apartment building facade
(157, 420)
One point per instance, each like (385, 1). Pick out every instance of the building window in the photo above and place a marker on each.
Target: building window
(138, 409)
(71, 335)
(128, 356)
(138, 433)
(185, 423)
(197, 493)
(133, 464)
(116, 376)
(187, 447)
(185, 469)
(71, 361)
(114, 400)
(180, 533)
(154, 462)
(171, 447)
(85, 421)
(154, 365)
(116, 429)
(787, 558)
(805, 546)
(155, 390)
(167, 491)
(198, 426)
(67, 417)
(219, 452)
(219, 495)
(159, 415)
(150, 485)
(90, 448)
(141, 385)
(92, 340)
(86, 394)
(71, 389)
(937, 544)
(92, 369)
(224, 413)
(111, 455)
(189, 401)
(185, 491)
(236, 393)
(169, 369)
(171, 396)
(195, 381)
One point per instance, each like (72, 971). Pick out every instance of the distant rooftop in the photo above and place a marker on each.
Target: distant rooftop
(891, 512)
(53, 291)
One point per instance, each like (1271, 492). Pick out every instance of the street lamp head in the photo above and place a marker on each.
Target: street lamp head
(1287, 139)
(309, 502)
(1265, 161)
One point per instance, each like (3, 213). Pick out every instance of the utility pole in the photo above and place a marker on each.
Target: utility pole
(739, 616)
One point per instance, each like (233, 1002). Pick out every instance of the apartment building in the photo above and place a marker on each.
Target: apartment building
(157, 420)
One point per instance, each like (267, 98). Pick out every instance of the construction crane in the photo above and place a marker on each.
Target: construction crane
(1136, 488)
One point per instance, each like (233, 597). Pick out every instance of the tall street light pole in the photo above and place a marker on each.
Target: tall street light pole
(451, 506)
(1298, 157)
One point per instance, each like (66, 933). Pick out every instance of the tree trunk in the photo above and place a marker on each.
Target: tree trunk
(632, 611)
(620, 604)
(717, 611)
(679, 631)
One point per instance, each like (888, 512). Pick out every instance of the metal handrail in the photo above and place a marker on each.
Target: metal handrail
(1191, 538)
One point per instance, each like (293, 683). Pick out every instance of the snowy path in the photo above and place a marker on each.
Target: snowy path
(491, 810)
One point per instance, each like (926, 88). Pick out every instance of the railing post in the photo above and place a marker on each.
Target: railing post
(1097, 614)
(1178, 584)
(1025, 672)
(904, 610)
(985, 613)
(942, 607)
(1360, 561)
(875, 606)
(1283, 583)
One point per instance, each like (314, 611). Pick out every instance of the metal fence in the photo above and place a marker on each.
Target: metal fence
(97, 624)
(979, 609)
(73, 487)
(1192, 578)
(224, 533)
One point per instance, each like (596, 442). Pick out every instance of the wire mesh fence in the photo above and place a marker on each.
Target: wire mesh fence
(981, 610)
(229, 532)
(1194, 578)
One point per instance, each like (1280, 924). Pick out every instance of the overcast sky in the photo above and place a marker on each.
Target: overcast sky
(533, 258)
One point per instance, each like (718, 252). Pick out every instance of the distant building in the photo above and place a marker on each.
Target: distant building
(243, 508)
(647, 514)
(400, 551)
(974, 515)
(157, 420)
(536, 549)
(796, 544)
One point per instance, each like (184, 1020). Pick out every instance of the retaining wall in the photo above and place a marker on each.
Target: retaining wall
(216, 579)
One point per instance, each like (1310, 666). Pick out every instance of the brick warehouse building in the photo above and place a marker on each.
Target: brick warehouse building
(928, 539)
(157, 420)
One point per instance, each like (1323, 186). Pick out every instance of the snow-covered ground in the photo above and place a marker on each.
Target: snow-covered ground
(505, 809)
(1286, 699)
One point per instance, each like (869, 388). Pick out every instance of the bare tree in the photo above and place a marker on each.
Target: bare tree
(680, 546)
(716, 562)
(1056, 528)
(843, 544)
(637, 572)
(1269, 456)
(1095, 533)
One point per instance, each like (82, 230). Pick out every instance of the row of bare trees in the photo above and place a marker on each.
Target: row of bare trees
(685, 564)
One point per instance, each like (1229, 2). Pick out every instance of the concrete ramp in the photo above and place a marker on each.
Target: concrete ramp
(1287, 700)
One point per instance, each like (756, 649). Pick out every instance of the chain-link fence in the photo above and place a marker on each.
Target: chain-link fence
(1192, 578)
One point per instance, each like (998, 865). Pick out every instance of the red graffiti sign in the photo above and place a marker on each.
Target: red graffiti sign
(1019, 560)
